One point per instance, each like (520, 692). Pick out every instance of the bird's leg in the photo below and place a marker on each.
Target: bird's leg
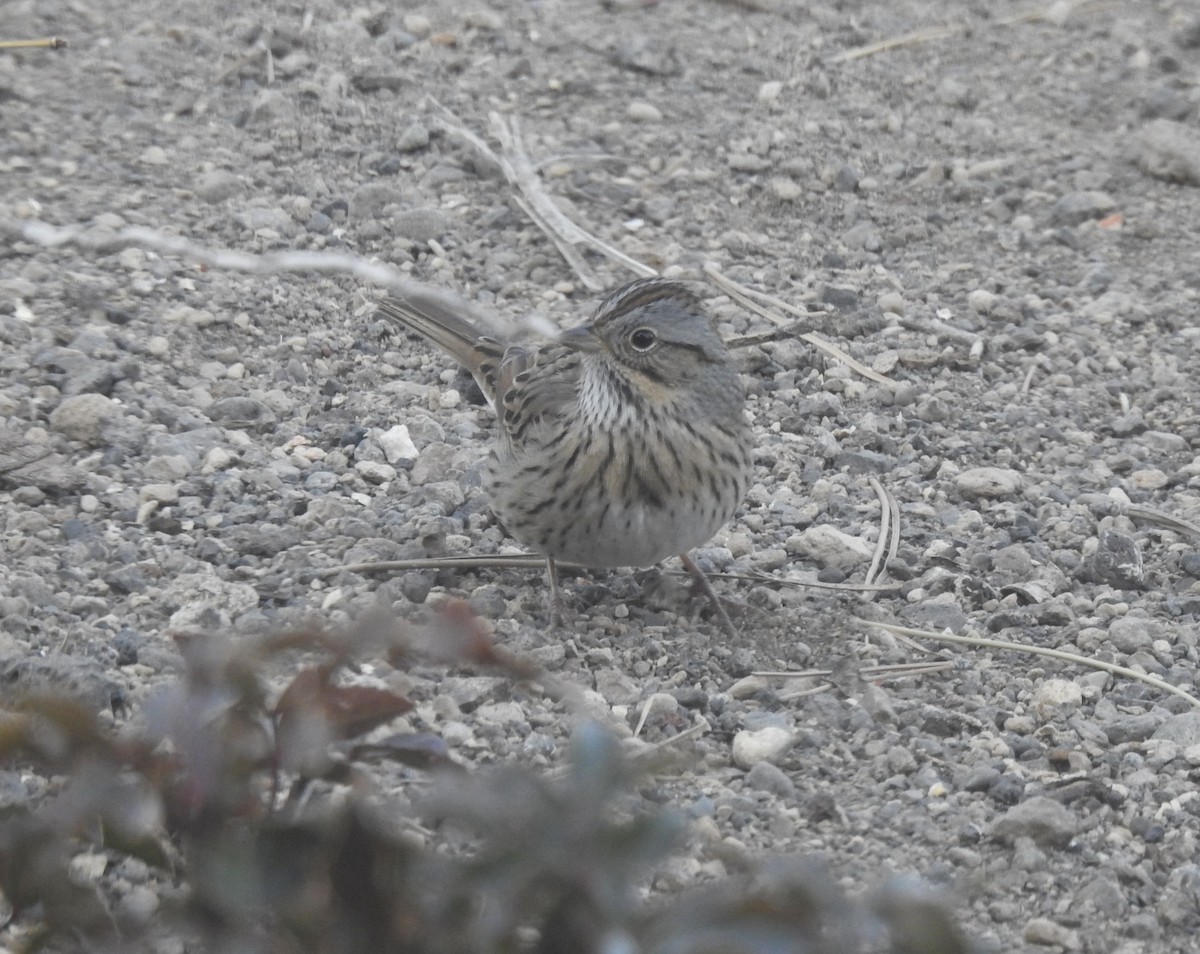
(557, 604)
(706, 587)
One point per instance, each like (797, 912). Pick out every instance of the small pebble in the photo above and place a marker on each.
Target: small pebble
(760, 745)
(643, 112)
(769, 91)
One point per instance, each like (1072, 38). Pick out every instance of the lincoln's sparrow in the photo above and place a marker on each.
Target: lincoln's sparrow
(620, 443)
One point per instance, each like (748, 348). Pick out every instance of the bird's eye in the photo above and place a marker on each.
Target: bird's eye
(643, 339)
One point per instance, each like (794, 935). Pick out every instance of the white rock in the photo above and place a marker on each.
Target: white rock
(769, 91)
(643, 112)
(82, 417)
(159, 493)
(155, 156)
(891, 301)
(396, 444)
(981, 301)
(139, 904)
(788, 190)
(455, 733)
(988, 482)
(131, 259)
(751, 746)
(749, 686)
(500, 713)
(200, 589)
(418, 25)
(1152, 479)
(1047, 933)
(375, 472)
(166, 467)
(1055, 694)
(87, 868)
(827, 546)
(218, 458)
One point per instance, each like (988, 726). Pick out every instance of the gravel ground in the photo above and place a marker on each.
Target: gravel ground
(1002, 219)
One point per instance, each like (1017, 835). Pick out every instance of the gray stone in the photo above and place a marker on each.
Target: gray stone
(1132, 633)
(1042, 819)
(422, 224)
(983, 482)
(241, 412)
(1116, 562)
(1076, 208)
(751, 746)
(1182, 729)
(217, 185)
(1168, 150)
(827, 546)
(83, 417)
(766, 777)
(369, 200)
(1134, 728)
(413, 139)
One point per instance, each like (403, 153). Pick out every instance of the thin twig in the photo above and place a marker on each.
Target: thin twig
(42, 43)
(1000, 644)
(807, 691)
(548, 215)
(1057, 12)
(515, 163)
(654, 701)
(460, 562)
(105, 242)
(699, 727)
(807, 584)
(749, 299)
(874, 673)
(578, 157)
(1162, 519)
(896, 42)
(888, 544)
(794, 330)
(937, 325)
(1027, 381)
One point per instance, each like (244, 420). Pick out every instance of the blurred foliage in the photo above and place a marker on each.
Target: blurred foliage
(503, 860)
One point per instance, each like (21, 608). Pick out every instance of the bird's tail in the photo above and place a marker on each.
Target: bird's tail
(435, 317)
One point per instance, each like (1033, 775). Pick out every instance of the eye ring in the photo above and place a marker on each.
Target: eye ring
(643, 339)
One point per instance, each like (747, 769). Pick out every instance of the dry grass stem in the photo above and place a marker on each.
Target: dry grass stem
(1027, 381)
(1163, 519)
(699, 727)
(896, 42)
(871, 673)
(794, 330)
(807, 584)
(648, 705)
(42, 43)
(515, 163)
(105, 242)
(1062, 654)
(938, 326)
(749, 299)
(1056, 13)
(888, 544)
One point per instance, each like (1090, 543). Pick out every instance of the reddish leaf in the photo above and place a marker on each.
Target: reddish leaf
(350, 710)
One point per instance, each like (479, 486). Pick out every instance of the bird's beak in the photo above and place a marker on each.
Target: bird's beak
(582, 339)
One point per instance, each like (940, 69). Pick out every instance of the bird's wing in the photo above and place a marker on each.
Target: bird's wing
(534, 383)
